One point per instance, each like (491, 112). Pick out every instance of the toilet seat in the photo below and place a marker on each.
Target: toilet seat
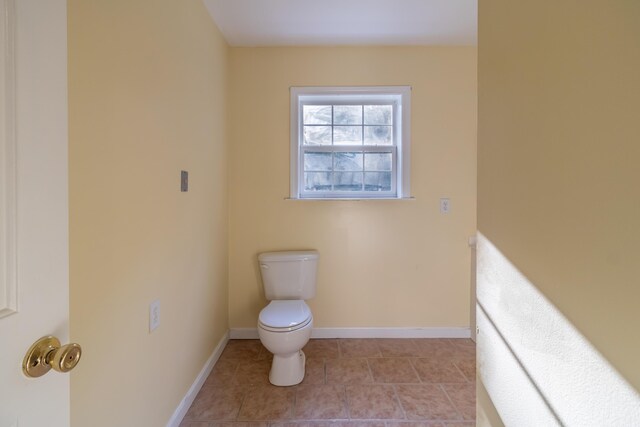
(285, 316)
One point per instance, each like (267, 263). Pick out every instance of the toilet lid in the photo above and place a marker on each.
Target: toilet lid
(285, 314)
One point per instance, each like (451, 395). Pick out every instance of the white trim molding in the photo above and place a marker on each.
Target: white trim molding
(529, 349)
(188, 399)
(8, 267)
(252, 333)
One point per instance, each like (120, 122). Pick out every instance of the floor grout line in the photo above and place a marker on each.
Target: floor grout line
(346, 401)
(411, 362)
(295, 401)
(324, 371)
(460, 370)
(370, 371)
(244, 398)
(451, 401)
(399, 402)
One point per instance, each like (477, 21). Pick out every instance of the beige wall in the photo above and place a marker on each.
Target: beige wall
(383, 263)
(147, 93)
(559, 101)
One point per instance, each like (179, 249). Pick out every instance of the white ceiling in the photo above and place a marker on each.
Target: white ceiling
(345, 22)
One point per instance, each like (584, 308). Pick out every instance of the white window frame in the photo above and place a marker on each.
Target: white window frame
(399, 96)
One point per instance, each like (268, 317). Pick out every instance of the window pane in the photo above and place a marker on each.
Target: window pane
(378, 114)
(347, 181)
(349, 161)
(317, 161)
(317, 181)
(378, 135)
(377, 161)
(317, 114)
(347, 135)
(347, 114)
(377, 181)
(317, 135)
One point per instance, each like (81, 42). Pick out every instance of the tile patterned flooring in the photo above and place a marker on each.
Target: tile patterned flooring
(348, 383)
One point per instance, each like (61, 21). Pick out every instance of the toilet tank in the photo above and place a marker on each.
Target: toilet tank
(289, 274)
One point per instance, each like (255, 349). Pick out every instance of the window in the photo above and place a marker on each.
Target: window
(350, 143)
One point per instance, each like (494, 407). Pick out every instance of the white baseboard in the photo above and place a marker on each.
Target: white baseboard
(252, 333)
(188, 399)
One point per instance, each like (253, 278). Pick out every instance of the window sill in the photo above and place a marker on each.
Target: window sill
(354, 199)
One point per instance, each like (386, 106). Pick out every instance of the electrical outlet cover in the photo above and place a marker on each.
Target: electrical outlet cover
(445, 205)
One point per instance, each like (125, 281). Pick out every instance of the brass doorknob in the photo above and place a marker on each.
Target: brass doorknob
(47, 353)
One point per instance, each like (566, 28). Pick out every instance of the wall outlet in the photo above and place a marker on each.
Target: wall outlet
(154, 315)
(445, 205)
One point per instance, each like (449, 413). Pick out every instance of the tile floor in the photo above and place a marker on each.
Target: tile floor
(348, 383)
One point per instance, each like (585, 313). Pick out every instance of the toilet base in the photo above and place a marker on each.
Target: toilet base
(287, 370)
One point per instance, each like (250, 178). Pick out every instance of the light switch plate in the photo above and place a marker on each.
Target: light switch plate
(184, 181)
(154, 315)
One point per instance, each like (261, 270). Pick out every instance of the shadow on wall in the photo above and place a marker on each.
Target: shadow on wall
(536, 366)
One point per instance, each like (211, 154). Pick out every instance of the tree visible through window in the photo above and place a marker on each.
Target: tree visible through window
(350, 142)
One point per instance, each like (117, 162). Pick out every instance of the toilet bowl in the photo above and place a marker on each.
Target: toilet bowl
(284, 331)
(284, 325)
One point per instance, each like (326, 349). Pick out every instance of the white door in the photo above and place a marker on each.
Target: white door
(34, 290)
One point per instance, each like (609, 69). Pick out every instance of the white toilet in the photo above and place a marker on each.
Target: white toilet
(284, 326)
